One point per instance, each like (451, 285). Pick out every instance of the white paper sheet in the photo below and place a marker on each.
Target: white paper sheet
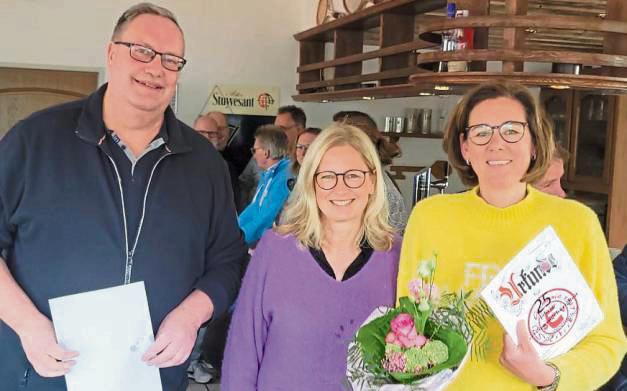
(542, 286)
(111, 330)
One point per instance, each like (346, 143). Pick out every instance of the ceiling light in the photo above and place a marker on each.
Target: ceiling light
(559, 86)
(441, 88)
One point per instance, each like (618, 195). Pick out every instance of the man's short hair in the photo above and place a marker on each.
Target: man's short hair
(297, 114)
(273, 139)
(142, 9)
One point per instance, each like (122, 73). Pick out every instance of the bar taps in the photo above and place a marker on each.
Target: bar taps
(423, 182)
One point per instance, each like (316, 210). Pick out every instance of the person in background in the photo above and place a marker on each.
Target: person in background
(619, 381)
(499, 141)
(214, 127)
(313, 280)
(110, 190)
(387, 151)
(269, 151)
(292, 120)
(551, 182)
(303, 141)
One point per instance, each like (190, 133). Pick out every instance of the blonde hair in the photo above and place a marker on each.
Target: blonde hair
(302, 216)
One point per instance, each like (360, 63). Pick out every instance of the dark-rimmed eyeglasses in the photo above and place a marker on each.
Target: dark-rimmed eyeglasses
(354, 179)
(510, 131)
(142, 53)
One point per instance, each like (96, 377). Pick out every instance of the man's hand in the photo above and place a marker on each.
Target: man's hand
(46, 356)
(178, 331)
(523, 361)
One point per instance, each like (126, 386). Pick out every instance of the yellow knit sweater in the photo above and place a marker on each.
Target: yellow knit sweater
(474, 240)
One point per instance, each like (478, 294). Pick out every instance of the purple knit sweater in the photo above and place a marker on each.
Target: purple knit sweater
(293, 322)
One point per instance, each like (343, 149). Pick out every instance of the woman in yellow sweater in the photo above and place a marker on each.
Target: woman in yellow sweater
(499, 141)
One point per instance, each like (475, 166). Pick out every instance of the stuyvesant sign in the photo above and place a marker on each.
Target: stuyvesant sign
(250, 100)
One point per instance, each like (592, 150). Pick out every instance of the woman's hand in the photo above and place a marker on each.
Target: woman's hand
(523, 361)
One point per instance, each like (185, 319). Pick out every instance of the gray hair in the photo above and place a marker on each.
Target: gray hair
(142, 9)
(273, 139)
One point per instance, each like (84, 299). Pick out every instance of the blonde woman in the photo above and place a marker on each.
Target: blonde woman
(314, 279)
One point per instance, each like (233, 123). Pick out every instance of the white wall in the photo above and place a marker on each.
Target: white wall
(228, 42)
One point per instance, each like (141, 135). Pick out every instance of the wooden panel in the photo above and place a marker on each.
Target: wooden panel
(24, 91)
(397, 91)
(521, 55)
(558, 104)
(525, 21)
(390, 50)
(348, 42)
(617, 209)
(481, 35)
(615, 43)
(369, 17)
(514, 38)
(77, 83)
(395, 29)
(584, 149)
(311, 52)
(392, 74)
(615, 85)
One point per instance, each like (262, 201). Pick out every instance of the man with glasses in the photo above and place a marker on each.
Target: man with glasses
(214, 127)
(269, 152)
(292, 121)
(110, 190)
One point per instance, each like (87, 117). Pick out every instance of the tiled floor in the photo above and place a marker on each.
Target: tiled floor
(202, 387)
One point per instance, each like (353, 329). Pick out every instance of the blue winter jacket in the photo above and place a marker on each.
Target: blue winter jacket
(272, 192)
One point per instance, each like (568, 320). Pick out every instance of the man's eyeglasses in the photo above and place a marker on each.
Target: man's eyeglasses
(208, 134)
(353, 179)
(144, 54)
(510, 131)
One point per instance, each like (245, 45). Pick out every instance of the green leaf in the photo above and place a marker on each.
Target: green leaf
(371, 339)
(420, 317)
(373, 346)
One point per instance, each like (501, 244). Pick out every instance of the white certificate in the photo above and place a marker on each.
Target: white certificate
(543, 287)
(111, 330)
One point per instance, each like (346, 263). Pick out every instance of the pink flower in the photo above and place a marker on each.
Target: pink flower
(394, 362)
(419, 289)
(391, 339)
(420, 340)
(415, 289)
(402, 324)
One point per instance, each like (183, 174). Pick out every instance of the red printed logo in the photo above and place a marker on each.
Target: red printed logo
(552, 316)
(265, 100)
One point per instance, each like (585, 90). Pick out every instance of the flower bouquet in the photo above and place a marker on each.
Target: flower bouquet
(420, 344)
